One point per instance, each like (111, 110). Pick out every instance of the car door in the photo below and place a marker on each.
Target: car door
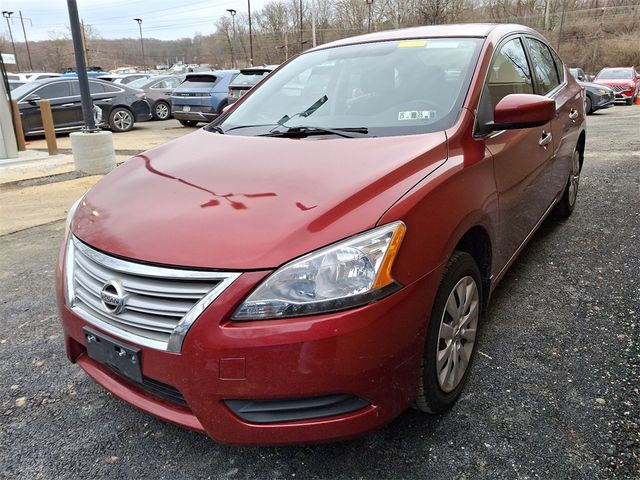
(520, 156)
(550, 80)
(61, 100)
(104, 96)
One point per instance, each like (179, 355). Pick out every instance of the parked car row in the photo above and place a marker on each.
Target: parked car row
(119, 105)
(610, 85)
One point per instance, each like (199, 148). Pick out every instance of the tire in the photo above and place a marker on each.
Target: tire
(161, 110)
(188, 123)
(222, 106)
(121, 119)
(567, 203)
(437, 390)
(588, 106)
(629, 101)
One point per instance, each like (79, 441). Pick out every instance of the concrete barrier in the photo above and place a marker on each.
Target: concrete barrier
(93, 153)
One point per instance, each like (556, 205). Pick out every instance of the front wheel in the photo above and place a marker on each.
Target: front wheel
(121, 120)
(588, 106)
(451, 335)
(188, 123)
(161, 110)
(567, 203)
(629, 101)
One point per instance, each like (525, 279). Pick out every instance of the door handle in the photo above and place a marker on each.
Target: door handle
(545, 139)
(573, 114)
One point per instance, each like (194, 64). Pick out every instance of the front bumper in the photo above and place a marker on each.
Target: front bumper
(371, 353)
(600, 102)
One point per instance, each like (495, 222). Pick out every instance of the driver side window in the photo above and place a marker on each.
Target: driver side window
(509, 73)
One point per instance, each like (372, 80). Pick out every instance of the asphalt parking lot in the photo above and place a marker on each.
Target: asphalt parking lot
(554, 391)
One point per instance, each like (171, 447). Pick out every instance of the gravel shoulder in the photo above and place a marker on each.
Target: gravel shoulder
(554, 391)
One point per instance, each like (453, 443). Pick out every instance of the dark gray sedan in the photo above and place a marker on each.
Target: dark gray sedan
(158, 90)
(597, 96)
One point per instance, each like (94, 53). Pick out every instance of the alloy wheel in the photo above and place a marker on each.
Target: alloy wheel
(457, 335)
(122, 120)
(574, 178)
(162, 111)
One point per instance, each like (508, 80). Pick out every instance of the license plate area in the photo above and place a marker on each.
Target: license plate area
(122, 358)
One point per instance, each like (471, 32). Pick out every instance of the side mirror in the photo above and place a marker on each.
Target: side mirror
(33, 99)
(522, 110)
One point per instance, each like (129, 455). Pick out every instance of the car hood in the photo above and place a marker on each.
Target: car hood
(613, 82)
(594, 85)
(232, 202)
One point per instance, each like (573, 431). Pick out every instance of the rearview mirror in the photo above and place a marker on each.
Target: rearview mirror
(33, 99)
(522, 110)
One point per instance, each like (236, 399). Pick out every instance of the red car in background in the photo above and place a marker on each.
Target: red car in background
(319, 258)
(624, 81)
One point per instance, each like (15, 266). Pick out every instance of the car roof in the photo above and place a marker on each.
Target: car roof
(462, 30)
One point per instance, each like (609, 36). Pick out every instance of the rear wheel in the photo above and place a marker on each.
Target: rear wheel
(567, 203)
(188, 123)
(121, 119)
(161, 110)
(451, 335)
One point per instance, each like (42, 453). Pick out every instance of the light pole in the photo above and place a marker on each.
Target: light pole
(26, 42)
(144, 62)
(233, 23)
(250, 35)
(370, 2)
(6, 15)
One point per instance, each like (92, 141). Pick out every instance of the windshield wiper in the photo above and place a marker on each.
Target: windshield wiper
(216, 128)
(305, 113)
(302, 131)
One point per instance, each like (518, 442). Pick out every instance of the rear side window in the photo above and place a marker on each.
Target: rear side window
(544, 66)
(54, 90)
(200, 81)
(95, 87)
(509, 72)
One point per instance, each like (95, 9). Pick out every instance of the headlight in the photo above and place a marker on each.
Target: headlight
(70, 214)
(602, 91)
(346, 274)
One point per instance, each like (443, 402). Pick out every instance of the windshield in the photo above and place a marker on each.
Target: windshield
(247, 79)
(389, 88)
(22, 90)
(615, 75)
(139, 83)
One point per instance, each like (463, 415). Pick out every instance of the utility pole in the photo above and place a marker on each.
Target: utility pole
(6, 15)
(84, 42)
(24, 32)
(233, 23)
(250, 35)
(313, 23)
(81, 67)
(370, 3)
(144, 61)
(301, 38)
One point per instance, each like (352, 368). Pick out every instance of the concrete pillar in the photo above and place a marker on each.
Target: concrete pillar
(8, 145)
(93, 153)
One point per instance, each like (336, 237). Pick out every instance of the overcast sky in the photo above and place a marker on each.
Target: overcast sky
(164, 19)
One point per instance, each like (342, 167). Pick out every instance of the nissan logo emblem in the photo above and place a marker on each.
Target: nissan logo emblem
(113, 297)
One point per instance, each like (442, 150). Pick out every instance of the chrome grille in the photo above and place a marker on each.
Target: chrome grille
(160, 304)
(619, 88)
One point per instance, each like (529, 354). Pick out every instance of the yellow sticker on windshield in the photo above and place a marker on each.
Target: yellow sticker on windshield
(412, 44)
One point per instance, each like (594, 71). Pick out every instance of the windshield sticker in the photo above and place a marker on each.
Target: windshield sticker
(412, 44)
(417, 115)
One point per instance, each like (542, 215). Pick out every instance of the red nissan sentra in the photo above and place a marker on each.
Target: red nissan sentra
(319, 258)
